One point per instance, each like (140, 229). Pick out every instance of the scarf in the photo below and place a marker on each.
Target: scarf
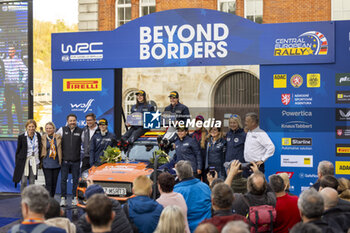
(53, 152)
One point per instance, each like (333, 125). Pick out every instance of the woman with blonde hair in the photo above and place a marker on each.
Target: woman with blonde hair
(216, 148)
(27, 155)
(235, 138)
(344, 189)
(171, 220)
(51, 155)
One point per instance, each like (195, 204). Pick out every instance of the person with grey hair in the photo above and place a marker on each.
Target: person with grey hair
(236, 227)
(335, 215)
(34, 204)
(195, 193)
(311, 207)
(258, 145)
(324, 168)
(305, 228)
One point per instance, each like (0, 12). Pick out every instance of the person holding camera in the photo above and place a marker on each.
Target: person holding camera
(216, 148)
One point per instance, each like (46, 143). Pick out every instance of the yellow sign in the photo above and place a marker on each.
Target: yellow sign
(286, 141)
(279, 81)
(340, 96)
(343, 150)
(82, 84)
(342, 167)
(313, 80)
(307, 161)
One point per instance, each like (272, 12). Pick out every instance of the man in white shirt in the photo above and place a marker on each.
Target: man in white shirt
(258, 146)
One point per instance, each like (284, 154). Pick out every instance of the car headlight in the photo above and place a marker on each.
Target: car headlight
(85, 174)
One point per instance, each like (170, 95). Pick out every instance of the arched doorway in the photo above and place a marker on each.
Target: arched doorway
(236, 93)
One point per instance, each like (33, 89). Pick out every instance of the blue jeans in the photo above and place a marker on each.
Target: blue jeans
(74, 167)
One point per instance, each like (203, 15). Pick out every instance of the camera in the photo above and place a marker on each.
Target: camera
(245, 166)
(212, 171)
(164, 144)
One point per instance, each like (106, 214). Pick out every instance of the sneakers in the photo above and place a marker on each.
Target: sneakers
(74, 201)
(63, 201)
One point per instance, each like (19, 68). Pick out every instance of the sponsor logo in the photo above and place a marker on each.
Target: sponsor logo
(303, 175)
(279, 81)
(285, 98)
(82, 84)
(296, 80)
(82, 107)
(342, 114)
(210, 41)
(296, 125)
(82, 51)
(342, 97)
(296, 161)
(308, 43)
(290, 174)
(296, 113)
(151, 120)
(342, 149)
(296, 142)
(342, 167)
(343, 132)
(313, 80)
(342, 79)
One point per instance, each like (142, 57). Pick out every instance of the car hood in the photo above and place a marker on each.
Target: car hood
(121, 172)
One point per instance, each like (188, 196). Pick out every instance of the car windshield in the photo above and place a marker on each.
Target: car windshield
(144, 152)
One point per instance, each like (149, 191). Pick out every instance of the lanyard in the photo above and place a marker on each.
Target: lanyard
(32, 142)
(32, 221)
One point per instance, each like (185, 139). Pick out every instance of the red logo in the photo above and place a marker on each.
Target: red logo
(285, 98)
(339, 132)
(290, 174)
(296, 80)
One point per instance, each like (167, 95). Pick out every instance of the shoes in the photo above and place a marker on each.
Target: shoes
(74, 201)
(63, 201)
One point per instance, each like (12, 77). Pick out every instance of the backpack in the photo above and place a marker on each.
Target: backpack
(261, 218)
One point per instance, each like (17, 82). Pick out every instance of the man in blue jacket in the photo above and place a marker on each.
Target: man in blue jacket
(141, 210)
(99, 142)
(181, 110)
(196, 194)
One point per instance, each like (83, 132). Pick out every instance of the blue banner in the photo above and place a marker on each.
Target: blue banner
(194, 37)
(81, 92)
(7, 166)
(305, 110)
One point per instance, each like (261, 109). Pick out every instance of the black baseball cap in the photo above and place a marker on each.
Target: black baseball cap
(174, 94)
(141, 92)
(103, 121)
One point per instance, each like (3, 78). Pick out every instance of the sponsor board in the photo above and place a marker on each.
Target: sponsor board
(296, 161)
(82, 84)
(342, 114)
(290, 174)
(342, 132)
(279, 81)
(296, 80)
(296, 141)
(313, 80)
(308, 43)
(342, 167)
(342, 149)
(342, 79)
(342, 97)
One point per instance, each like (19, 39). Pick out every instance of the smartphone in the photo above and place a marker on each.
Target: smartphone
(212, 171)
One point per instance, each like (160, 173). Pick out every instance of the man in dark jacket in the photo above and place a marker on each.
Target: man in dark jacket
(181, 110)
(71, 146)
(120, 222)
(141, 210)
(100, 142)
(222, 199)
(89, 131)
(336, 216)
(324, 168)
(311, 207)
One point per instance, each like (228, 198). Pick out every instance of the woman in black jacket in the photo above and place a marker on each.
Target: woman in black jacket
(27, 155)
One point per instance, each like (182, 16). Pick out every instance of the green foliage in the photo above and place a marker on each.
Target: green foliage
(162, 159)
(111, 155)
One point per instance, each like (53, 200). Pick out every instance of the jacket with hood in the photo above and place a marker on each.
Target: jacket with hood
(144, 213)
(63, 223)
(120, 222)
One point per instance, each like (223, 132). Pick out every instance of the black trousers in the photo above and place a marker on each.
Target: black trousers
(51, 175)
(12, 96)
(85, 164)
(134, 133)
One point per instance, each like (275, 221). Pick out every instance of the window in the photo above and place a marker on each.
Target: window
(123, 12)
(340, 9)
(228, 6)
(147, 7)
(253, 10)
(130, 100)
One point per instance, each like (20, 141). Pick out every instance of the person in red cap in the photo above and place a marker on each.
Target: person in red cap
(141, 106)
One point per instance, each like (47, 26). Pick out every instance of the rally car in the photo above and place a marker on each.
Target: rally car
(116, 178)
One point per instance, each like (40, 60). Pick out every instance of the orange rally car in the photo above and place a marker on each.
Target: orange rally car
(116, 178)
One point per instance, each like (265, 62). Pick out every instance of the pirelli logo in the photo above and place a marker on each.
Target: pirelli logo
(343, 149)
(82, 84)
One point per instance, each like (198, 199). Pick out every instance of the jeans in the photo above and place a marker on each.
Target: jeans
(25, 179)
(51, 175)
(74, 168)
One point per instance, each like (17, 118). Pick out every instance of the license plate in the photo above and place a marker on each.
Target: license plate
(114, 191)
